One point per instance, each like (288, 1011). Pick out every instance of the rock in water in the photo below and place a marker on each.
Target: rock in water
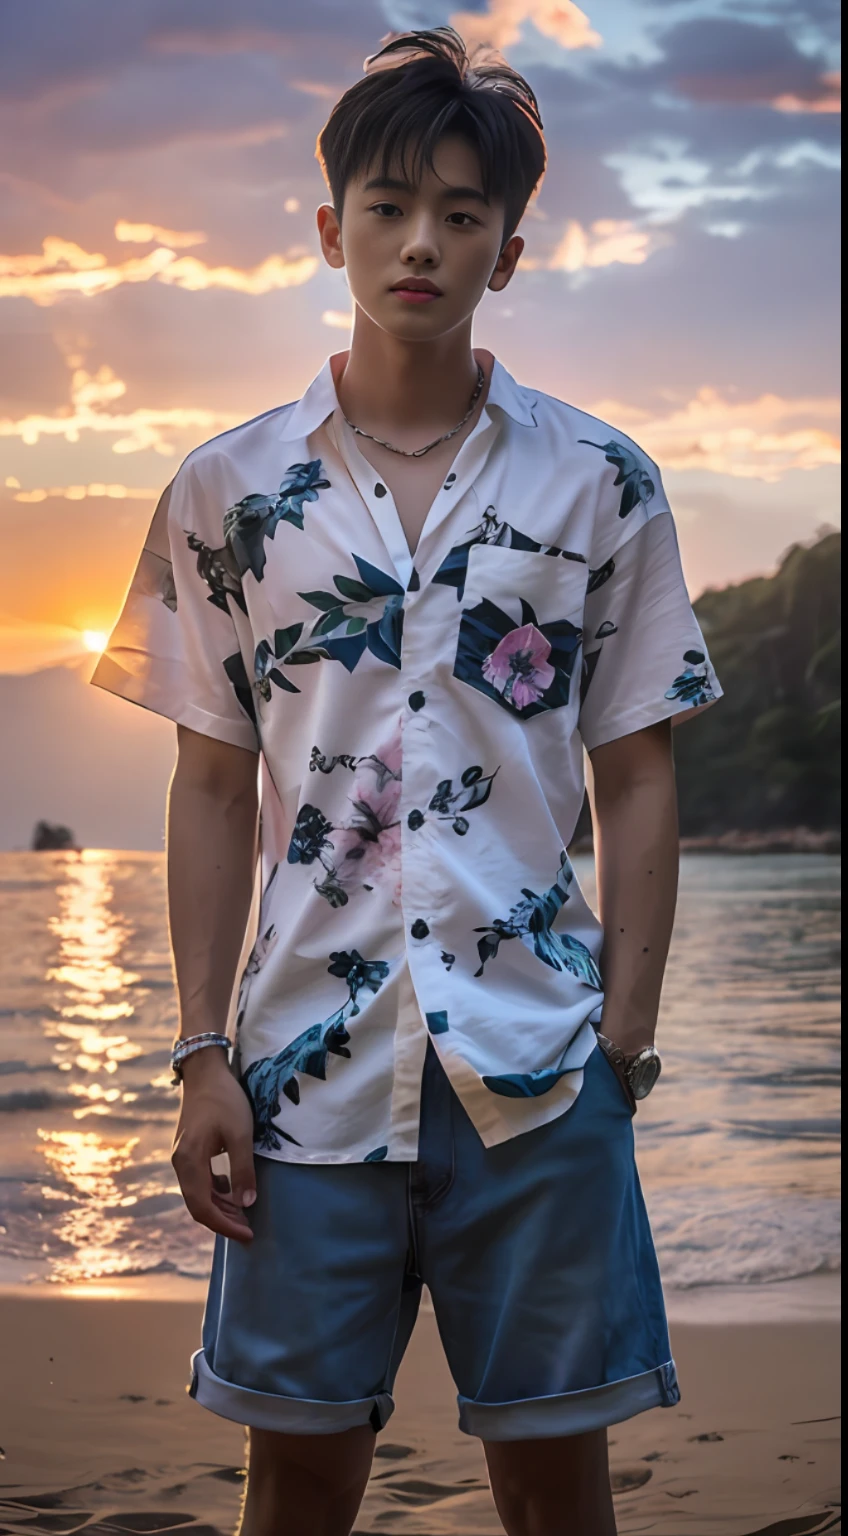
(48, 836)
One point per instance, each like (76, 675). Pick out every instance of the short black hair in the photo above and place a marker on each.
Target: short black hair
(421, 86)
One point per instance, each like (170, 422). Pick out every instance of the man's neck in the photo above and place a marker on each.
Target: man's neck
(397, 389)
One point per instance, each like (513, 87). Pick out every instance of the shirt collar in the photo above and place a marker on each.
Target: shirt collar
(320, 400)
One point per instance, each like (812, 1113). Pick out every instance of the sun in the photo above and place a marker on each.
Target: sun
(94, 639)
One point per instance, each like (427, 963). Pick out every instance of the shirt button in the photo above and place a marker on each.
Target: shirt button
(419, 929)
(416, 700)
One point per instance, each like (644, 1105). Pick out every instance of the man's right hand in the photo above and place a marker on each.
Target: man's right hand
(215, 1117)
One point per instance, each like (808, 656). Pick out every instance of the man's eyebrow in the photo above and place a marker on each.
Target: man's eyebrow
(452, 194)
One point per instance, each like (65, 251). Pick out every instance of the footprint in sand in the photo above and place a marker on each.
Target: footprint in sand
(390, 1452)
(806, 1525)
(149, 1525)
(627, 1479)
(711, 1439)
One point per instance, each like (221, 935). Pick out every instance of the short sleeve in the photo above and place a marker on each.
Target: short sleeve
(175, 648)
(644, 657)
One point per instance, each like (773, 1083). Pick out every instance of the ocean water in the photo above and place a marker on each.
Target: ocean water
(738, 1147)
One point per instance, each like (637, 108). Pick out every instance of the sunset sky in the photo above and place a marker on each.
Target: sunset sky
(161, 280)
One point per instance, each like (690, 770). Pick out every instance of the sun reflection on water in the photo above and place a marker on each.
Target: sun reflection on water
(89, 970)
(87, 1164)
(92, 985)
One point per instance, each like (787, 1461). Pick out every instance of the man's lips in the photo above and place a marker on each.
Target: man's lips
(417, 290)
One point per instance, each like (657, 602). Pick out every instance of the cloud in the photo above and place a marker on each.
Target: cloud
(712, 60)
(748, 439)
(143, 234)
(665, 181)
(338, 319)
(144, 427)
(63, 268)
(605, 243)
(501, 23)
(827, 99)
(82, 492)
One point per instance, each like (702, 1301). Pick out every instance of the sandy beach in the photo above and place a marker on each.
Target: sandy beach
(99, 1435)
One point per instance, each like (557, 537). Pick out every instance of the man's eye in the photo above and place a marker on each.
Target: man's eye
(385, 210)
(465, 217)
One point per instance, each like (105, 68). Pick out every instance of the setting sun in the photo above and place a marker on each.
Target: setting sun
(94, 639)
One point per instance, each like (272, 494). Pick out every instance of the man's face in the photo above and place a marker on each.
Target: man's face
(419, 258)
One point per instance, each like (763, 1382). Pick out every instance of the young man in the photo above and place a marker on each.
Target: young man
(418, 593)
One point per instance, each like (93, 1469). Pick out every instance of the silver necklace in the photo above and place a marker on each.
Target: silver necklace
(417, 453)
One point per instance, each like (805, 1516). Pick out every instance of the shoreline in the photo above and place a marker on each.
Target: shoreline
(813, 1298)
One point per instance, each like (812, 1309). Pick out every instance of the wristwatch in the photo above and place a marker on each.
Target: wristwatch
(639, 1073)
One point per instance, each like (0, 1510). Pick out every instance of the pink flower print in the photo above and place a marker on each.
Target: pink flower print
(367, 848)
(518, 667)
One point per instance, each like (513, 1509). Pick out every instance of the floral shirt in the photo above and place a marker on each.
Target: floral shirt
(420, 724)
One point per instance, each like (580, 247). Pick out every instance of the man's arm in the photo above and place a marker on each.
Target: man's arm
(634, 809)
(212, 841)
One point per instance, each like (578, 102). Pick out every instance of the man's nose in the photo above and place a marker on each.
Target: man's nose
(420, 246)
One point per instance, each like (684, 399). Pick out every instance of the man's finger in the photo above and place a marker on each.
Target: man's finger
(225, 1220)
(242, 1173)
(203, 1204)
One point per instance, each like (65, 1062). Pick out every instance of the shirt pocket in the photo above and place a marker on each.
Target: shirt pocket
(520, 631)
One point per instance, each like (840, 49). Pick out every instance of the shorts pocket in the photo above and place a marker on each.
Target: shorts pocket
(620, 1084)
(520, 631)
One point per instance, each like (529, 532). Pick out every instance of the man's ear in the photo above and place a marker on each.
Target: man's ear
(506, 264)
(330, 235)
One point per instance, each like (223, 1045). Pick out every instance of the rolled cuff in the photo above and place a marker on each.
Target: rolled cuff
(571, 1413)
(285, 1415)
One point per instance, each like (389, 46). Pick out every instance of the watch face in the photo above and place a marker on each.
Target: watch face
(644, 1071)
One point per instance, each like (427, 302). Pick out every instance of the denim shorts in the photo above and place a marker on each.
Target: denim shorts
(537, 1255)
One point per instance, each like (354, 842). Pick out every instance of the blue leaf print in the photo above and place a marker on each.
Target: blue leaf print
(524, 1085)
(310, 837)
(601, 576)
(693, 687)
(449, 804)
(218, 569)
(491, 530)
(272, 1076)
(379, 1155)
(265, 669)
(254, 519)
(632, 474)
(379, 583)
(358, 973)
(531, 920)
(237, 673)
(341, 635)
(266, 1079)
(529, 1085)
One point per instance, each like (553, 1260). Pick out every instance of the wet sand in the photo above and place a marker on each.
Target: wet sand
(99, 1435)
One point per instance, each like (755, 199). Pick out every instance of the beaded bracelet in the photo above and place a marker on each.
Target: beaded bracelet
(192, 1043)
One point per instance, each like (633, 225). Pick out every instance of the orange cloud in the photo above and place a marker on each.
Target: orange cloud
(603, 244)
(82, 492)
(749, 439)
(144, 427)
(501, 24)
(64, 267)
(143, 234)
(829, 101)
(339, 319)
